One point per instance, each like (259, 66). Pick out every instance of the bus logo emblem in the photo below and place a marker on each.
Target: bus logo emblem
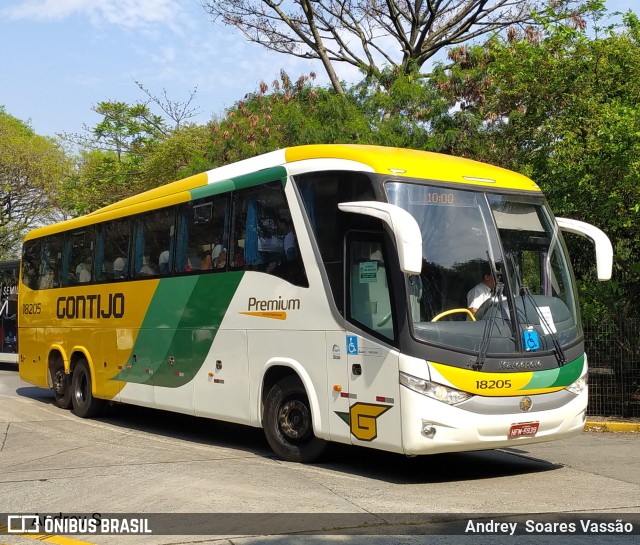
(526, 404)
(362, 418)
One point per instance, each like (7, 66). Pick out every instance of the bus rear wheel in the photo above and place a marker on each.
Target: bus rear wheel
(287, 422)
(61, 384)
(84, 404)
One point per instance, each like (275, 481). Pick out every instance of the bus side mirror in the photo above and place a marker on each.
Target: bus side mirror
(403, 225)
(604, 250)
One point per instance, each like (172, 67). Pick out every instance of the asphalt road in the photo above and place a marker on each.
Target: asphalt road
(142, 461)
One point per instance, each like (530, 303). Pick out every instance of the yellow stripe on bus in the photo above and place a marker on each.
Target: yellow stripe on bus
(417, 164)
(490, 384)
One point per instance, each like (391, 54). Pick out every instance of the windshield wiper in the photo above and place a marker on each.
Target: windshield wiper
(545, 326)
(495, 304)
(488, 326)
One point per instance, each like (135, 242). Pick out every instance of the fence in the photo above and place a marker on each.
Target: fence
(613, 352)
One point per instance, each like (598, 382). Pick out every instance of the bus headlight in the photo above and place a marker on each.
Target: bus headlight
(434, 390)
(578, 385)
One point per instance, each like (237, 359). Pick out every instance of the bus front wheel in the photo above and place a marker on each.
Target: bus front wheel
(287, 422)
(84, 404)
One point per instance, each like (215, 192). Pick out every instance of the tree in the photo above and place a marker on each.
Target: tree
(111, 155)
(374, 34)
(181, 154)
(286, 114)
(131, 149)
(561, 106)
(31, 167)
(124, 129)
(177, 111)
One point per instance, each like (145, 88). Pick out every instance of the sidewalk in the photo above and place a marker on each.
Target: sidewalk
(604, 424)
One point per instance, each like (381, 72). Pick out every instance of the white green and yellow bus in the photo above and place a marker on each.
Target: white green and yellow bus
(320, 292)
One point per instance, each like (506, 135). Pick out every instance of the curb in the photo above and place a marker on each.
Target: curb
(616, 427)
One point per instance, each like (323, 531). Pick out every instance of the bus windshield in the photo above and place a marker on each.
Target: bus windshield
(488, 257)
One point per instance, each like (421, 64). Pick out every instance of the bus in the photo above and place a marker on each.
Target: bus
(319, 292)
(8, 311)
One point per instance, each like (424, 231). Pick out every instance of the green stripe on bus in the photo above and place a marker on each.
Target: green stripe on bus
(179, 328)
(241, 182)
(554, 378)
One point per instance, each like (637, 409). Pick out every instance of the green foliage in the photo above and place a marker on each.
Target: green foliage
(109, 165)
(563, 107)
(126, 128)
(286, 114)
(99, 178)
(30, 169)
(400, 107)
(180, 154)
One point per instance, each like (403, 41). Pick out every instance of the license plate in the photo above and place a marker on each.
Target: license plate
(524, 430)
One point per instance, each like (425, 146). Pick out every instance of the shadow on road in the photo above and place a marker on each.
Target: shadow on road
(369, 463)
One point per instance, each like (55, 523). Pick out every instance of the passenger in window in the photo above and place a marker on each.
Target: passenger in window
(163, 263)
(217, 249)
(206, 262)
(238, 257)
(221, 260)
(83, 273)
(120, 267)
(146, 269)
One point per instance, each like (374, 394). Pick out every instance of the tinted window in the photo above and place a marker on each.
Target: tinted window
(51, 263)
(153, 243)
(78, 256)
(112, 250)
(203, 235)
(321, 193)
(31, 263)
(262, 234)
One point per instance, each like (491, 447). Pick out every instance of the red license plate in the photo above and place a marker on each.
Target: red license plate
(524, 430)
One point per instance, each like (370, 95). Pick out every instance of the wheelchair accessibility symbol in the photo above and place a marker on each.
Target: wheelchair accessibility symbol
(531, 340)
(352, 345)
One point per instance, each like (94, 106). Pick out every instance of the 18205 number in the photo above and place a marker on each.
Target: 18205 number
(492, 384)
(32, 308)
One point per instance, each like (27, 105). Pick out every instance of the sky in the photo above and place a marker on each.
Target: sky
(59, 58)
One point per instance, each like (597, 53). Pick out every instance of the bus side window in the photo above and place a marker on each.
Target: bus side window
(263, 236)
(31, 263)
(154, 243)
(202, 237)
(78, 260)
(112, 250)
(51, 262)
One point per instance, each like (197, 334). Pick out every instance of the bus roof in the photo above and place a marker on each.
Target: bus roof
(397, 162)
(417, 164)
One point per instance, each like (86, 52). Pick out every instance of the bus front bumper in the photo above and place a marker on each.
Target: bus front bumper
(431, 427)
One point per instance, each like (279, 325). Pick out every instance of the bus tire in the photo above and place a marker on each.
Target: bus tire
(61, 384)
(84, 404)
(287, 422)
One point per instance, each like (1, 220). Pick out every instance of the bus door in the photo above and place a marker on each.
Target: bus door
(374, 411)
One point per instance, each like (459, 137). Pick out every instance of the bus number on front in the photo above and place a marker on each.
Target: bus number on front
(492, 384)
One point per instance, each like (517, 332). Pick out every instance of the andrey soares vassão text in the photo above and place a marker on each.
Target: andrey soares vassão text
(531, 526)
